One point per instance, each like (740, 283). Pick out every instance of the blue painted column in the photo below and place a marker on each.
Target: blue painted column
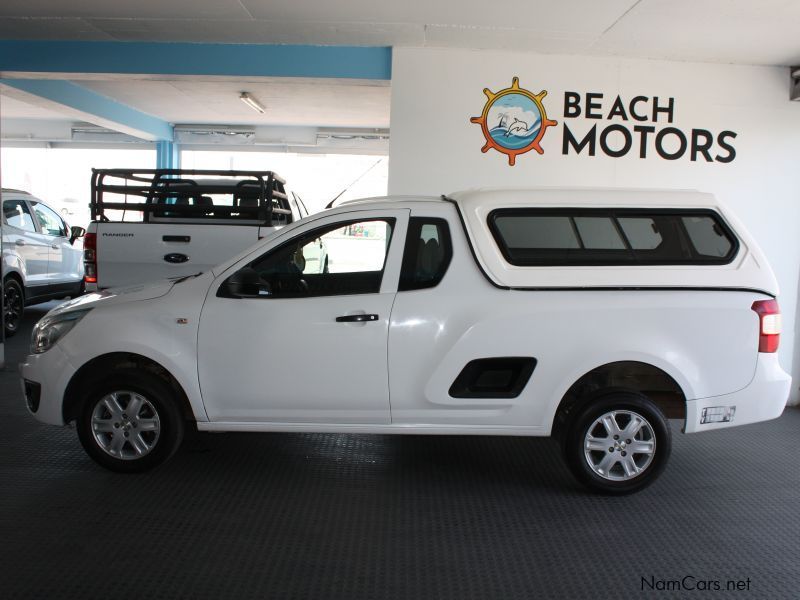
(97, 108)
(167, 155)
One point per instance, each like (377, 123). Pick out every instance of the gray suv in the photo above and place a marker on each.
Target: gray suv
(40, 260)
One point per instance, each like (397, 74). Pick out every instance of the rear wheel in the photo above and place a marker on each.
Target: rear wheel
(13, 305)
(130, 422)
(618, 443)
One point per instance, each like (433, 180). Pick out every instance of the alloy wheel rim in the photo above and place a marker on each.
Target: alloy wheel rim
(125, 425)
(12, 303)
(619, 445)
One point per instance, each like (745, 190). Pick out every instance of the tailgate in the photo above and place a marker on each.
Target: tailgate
(130, 253)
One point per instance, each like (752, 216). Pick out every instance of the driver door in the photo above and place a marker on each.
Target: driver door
(307, 343)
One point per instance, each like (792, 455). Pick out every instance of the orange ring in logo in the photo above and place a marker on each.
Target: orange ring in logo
(483, 121)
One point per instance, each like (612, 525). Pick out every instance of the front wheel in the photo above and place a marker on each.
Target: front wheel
(13, 306)
(130, 422)
(618, 443)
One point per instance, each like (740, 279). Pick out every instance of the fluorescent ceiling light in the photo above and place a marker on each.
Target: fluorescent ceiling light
(252, 102)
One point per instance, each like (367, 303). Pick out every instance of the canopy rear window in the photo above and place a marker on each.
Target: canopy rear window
(574, 237)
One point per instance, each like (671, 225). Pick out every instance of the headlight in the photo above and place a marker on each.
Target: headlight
(51, 329)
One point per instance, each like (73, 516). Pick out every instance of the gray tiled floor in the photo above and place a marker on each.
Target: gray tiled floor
(346, 516)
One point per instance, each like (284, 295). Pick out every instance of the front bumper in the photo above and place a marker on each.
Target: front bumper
(763, 399)
(51, 372)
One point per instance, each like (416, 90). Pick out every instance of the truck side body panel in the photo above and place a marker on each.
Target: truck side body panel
(707, 341)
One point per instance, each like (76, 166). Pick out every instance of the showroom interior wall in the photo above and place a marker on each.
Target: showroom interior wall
(737, 121)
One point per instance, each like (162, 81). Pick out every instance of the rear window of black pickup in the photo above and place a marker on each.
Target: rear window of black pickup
(588, 236)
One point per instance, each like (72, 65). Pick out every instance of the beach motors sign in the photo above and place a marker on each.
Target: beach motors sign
(514, 121)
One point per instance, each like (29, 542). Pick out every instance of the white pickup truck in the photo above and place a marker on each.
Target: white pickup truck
(168, 223)
(589, 315)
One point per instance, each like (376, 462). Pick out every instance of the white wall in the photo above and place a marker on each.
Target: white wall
(435, 149)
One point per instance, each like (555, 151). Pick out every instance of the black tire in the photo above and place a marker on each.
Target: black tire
(632, 471)
(13, 306)
(158, 413)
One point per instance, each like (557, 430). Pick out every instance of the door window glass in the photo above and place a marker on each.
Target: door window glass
(427, 253)
(50, 222)
(17, 215)
(347, 258)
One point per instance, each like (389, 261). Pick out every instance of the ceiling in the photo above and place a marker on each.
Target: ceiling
(12, 107)
(296, 102)
(303, 102)
(731, 31)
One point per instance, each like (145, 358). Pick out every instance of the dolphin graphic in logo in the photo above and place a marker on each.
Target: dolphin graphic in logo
(517, 128)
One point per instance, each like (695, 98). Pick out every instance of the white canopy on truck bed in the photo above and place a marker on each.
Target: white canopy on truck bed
(747, 269)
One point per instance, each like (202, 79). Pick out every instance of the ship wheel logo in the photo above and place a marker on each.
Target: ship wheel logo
(513, 121)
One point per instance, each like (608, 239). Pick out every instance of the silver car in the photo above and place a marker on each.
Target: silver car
(40, 259)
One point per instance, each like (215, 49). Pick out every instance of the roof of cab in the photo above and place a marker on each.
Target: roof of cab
(389, 199)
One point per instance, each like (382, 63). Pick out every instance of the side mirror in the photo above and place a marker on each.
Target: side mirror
(76, 232)
(245, 283)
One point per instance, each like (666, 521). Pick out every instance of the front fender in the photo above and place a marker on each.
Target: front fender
(12, 263)
(154, 329)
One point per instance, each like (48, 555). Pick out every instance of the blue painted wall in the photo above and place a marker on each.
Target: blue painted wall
(197, 59)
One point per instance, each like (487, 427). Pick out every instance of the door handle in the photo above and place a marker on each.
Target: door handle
(54, 246)
(20, 242)
(356, 318)
(176, 258)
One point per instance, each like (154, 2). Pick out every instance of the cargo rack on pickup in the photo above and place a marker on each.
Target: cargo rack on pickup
(197, 196)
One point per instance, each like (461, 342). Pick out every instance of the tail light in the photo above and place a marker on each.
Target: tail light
(90, 258)
(769, 325)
